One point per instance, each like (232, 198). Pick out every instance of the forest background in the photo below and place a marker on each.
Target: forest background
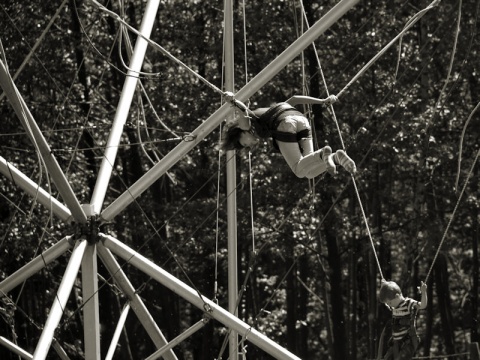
(309, 271)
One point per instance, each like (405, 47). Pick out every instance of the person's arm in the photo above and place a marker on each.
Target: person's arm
(300, 99)
(424, 300)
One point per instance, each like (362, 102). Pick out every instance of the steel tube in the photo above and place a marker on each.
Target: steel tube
(189, 294)
(136, 303)
(123, 108)
(60, 301)
(216, 118)
(34, 190)
(35, 265)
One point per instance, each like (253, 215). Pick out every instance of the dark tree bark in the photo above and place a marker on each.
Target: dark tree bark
(444, 302)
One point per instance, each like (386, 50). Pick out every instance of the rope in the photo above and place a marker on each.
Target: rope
(407, 26)
(37, 43)
(453, 214)
(343, 147)
(435, 109)
(158, 47)
(461, 143)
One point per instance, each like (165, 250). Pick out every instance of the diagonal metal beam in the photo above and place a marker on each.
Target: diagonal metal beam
(60, 301)
(216, 118)
(123, 108)
(183, 336)
(34, 190)
(39, 140)
(15, 348)
(35, 265)
(136, 303)
(118, 331)
(211, 308)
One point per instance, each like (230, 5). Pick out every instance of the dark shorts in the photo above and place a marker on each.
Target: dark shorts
(402, 350)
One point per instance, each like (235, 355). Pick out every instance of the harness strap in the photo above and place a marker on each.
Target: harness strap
(291, 137)
(275, 111)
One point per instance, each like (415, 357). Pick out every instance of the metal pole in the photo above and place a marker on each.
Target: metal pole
(136, 303)
(59, 350)
(191, 295)
(35, 265)
(123, 108)
(216, 118)
(118, 331)
(231, 169)
(34, 190)
(37, 137)
(15, 348)
(185, 335)
(60, 301)
(91, 316)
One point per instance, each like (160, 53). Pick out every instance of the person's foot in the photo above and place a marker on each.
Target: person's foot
(345, 161)
(327, 157)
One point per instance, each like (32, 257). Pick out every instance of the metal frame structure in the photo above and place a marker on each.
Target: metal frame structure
(91, 246)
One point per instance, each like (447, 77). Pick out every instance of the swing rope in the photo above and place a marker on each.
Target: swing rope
(343, 147)
(453, 214)
(407, 26)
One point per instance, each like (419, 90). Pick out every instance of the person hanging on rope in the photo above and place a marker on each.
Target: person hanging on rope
(404, 340)
(291, 134)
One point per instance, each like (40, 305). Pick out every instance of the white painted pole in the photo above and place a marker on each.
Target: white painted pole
(37, 137)
(221, 114)
(123, 108)
(60, 301)
(183, 336)
(231, 170)
(35, 265)
(136, 303)
(15, 348)
(191, 295)
(59, 350)
(91, 315)
(118, 332)
(34, 190)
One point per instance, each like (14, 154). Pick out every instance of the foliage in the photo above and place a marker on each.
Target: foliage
(308, 275)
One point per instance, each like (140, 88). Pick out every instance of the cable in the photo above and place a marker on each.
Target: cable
(453, 215)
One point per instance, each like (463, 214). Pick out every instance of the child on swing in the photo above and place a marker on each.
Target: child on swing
(291, 134)
(404, 340)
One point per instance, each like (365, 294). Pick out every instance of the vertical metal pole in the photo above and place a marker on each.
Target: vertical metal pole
(231, 169)
(91, 317)
(60, 301)
(123, 108)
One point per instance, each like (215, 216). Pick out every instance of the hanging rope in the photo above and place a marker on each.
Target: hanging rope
(343, 147)
(407, 26)
(453, 215)
(460, 150)
(157, 46)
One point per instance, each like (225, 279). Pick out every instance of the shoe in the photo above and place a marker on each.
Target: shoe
(345, 161)
(327, 157)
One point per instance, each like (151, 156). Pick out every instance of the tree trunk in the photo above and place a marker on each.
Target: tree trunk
(474, 335)
(444, 303)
